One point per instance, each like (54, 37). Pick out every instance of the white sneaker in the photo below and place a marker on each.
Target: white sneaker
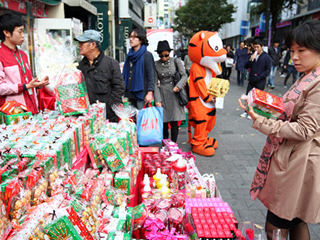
(248, 117)
(282, 75)
(244, 115)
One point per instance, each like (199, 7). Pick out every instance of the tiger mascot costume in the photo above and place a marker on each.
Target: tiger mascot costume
(206, 52)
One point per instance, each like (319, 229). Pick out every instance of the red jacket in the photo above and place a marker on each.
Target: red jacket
(12, 78)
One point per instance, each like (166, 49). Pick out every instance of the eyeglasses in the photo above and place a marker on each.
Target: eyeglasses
(133, 37)
(164, 56)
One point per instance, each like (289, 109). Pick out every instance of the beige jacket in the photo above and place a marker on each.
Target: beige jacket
(292, 188)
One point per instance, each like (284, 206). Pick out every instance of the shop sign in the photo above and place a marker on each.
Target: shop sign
(101, 22)
(14, 5)
(38, 8)
(283, 24)
(125, 29)
(244, 28)
(150, 15)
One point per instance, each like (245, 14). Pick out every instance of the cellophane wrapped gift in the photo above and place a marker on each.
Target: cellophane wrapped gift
(265, 104)
(71, 95)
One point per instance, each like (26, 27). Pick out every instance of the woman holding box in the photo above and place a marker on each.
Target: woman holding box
(287, 180)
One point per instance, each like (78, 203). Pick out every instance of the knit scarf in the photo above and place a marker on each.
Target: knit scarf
(272, 143)
(136, 59)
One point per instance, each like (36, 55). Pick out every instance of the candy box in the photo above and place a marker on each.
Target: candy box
(122, 181)
(72, 99)
(114, 155)
(265, 104)
(14, 118)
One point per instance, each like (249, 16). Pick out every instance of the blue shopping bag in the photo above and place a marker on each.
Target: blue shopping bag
(150, 126)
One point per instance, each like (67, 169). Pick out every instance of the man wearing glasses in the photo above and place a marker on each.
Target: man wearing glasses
(102, 73)
(139, 71)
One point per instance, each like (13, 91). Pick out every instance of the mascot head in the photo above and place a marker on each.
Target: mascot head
(206, 49)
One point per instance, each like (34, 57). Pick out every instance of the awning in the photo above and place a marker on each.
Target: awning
(81, 3)
(51, 2)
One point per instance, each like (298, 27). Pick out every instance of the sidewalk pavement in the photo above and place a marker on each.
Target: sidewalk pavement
(236, 159)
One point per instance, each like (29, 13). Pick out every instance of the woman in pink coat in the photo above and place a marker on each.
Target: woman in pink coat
(287, 180)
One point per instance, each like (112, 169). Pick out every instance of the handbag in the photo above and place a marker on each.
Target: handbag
(150, 126)
(183, 94)
(229, 62)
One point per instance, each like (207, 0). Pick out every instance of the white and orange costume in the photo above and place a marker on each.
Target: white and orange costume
(206, 52)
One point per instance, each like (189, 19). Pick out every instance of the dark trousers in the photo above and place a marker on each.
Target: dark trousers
(227, 73)
(291, 70)
(174, 130)
(240, 77)
(260, 85)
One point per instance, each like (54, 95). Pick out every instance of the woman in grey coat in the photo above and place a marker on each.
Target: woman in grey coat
(164, 91)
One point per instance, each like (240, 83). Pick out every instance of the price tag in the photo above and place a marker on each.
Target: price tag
(219, 102)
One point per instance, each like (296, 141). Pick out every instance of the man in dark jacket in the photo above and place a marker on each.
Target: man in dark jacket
(240, 59)
(260, 64)
(275, 54)
(102, 73)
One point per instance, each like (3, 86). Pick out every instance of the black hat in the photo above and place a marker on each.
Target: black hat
(163, 46)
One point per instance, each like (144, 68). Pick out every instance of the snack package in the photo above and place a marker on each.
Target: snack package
(72, 96)
(218, 87)
(265, 104)
(5, 224)
(114, 155)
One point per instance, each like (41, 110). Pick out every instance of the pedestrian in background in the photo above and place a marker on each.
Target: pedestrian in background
(287, 179)
(240, 59)
(228, 62)
(138, 70)
(290, 69)
(260, 66)
(165, 90)
(101, 73)
(275, 54)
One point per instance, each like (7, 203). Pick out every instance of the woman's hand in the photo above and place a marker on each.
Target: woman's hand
(158, 104)
(251, 112)
(149, 97)
(176, 89)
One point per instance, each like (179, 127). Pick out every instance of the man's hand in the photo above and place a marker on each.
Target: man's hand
(253, 56)
(149, 97)
(176, 89)
(36, 83)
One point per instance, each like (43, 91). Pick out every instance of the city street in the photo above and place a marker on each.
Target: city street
(235, 160)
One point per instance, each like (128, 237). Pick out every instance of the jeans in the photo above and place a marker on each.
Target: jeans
(240, 77)
(272, 74)
(291, 70)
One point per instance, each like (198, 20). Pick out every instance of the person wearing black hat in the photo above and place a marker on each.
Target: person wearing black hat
(138, 70)
(165, 89)
(102, 73)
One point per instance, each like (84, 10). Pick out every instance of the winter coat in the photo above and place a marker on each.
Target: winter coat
(104, 82)
(274, 56)
(260, 69)
(292, 187)
(163, 90)
(240, 58)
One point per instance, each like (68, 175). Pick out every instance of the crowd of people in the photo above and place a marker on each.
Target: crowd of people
(287, 176)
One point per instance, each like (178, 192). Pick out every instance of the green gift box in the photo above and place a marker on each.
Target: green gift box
(114, 155)
(14, 118)
(62, 229)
